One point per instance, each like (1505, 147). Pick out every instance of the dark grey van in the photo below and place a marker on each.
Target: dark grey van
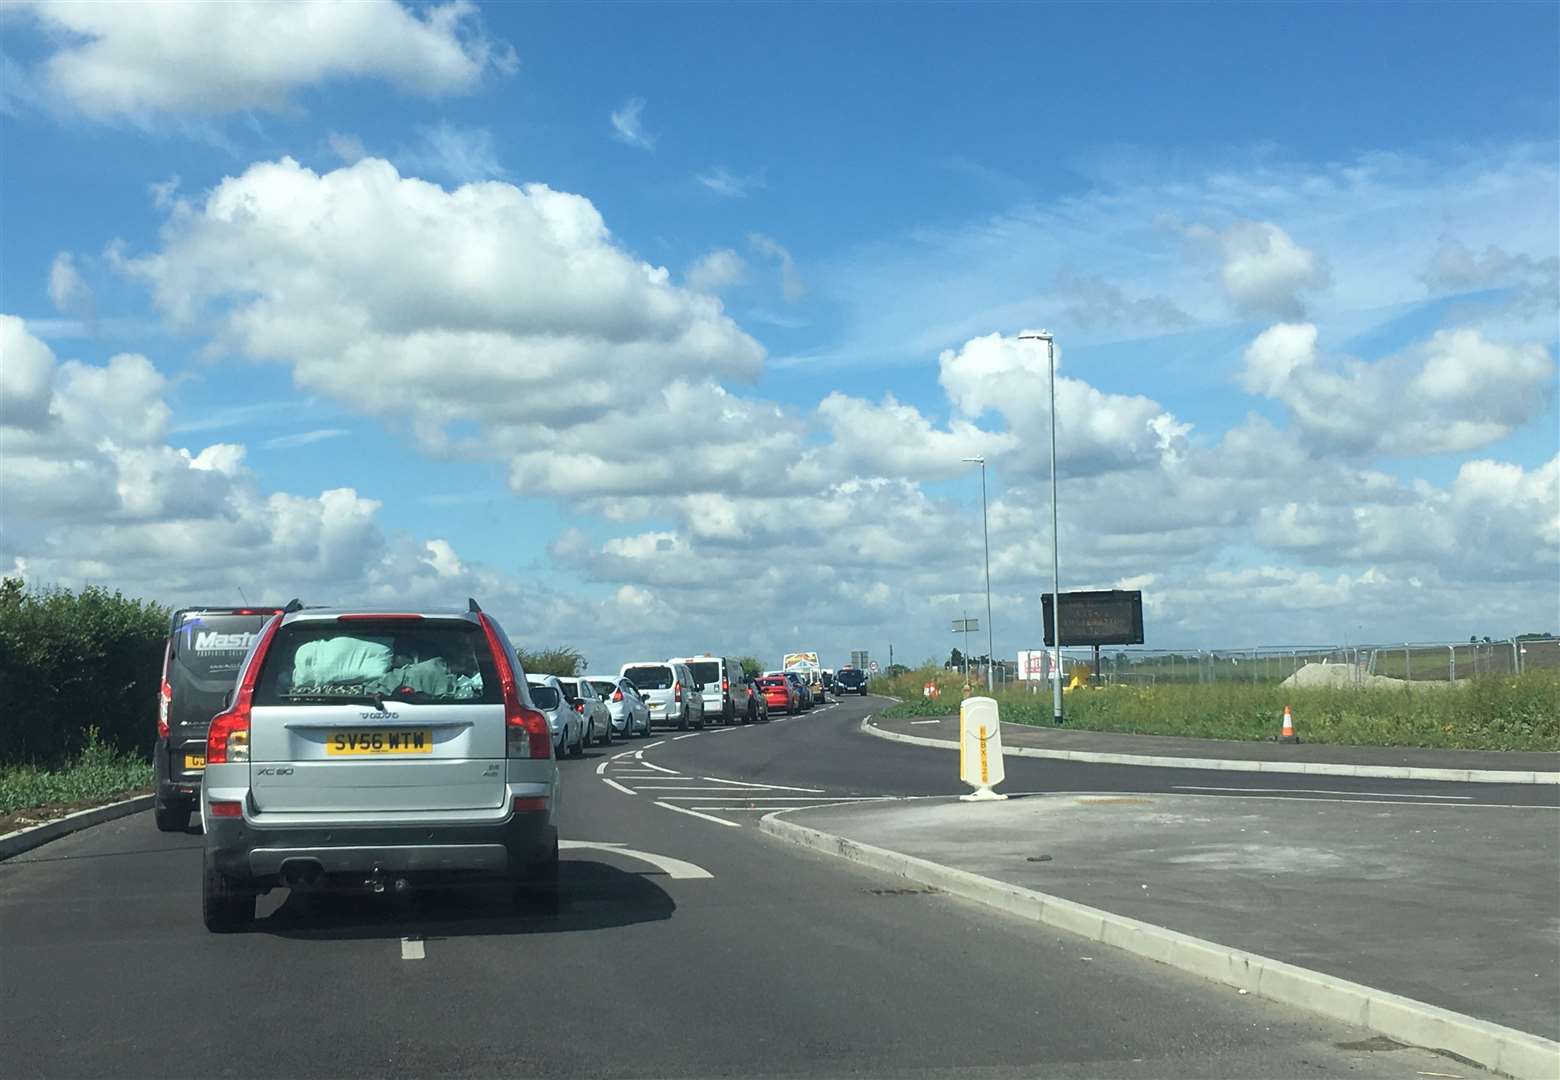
(205, 648)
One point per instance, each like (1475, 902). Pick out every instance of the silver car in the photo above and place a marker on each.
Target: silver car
(366, 749)
(567, 726)
(630, 714)
(670, 691)
(582, 697)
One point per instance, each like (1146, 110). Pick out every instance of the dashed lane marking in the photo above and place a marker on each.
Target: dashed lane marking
(695, 813)
(690, 735)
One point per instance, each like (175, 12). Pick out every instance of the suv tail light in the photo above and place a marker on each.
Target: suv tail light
(227, 740)
(677, 691)
(617, 695)
(526, 729)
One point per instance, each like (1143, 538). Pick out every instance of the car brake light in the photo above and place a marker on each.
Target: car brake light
(725, 686)
(226, 808)
(227, 740)
(380, 618)
(579, 707)
(617, 695)
(165, 694)
(527, 733)
(677, 691)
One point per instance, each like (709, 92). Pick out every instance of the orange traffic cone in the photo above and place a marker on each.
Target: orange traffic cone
(1288, 734)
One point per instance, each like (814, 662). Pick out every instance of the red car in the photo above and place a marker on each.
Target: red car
(780, 693)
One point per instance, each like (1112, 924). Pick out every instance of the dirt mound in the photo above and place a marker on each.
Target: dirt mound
(1313, 676)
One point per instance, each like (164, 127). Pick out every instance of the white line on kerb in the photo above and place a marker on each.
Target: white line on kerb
(620, 787)
(412, 949)
(695, 813)
(1321, 791)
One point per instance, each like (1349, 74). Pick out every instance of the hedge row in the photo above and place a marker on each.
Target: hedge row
(74, 661)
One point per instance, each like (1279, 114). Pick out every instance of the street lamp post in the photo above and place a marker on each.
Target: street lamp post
(1056, 558)
(986, 535)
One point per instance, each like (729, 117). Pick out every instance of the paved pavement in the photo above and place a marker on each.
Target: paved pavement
(778, 962)
(1109, 742)
(1454, 904)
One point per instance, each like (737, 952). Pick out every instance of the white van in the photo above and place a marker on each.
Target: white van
(719, 679)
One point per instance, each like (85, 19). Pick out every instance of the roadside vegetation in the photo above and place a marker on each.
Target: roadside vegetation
(1496, 712)
(97, 774)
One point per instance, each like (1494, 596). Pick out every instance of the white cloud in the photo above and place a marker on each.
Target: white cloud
(715, 270)
(1454, 393)
(628, 127)
(303, 438)
(792, 287)
(725, 183)
(138, 61)
(463, 155)
(1264, 272)
(349, 148)
(69, 293)
(370, 284)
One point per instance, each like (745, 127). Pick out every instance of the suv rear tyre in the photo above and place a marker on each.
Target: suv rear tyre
(538, 891)
(225, 907)
(172, 817)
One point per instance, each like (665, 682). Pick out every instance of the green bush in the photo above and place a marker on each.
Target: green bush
(70, 662)
(561, 660)
(1497, 712)
(100, 772)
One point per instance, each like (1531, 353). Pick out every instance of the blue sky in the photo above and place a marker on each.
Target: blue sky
(883, 186)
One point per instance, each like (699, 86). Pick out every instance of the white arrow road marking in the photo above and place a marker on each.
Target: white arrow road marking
(677, 869)
(766, 787)
(412, 949)
(614, 783)
(695, 813)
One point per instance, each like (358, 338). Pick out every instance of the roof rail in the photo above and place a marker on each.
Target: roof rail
(472, 605)
(293, 605)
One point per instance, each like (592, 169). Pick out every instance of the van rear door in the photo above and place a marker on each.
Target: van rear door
(381, 713)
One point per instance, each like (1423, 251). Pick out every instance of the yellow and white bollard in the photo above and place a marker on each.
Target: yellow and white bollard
(980, 749)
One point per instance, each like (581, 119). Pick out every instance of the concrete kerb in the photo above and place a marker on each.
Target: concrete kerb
(14, 843)
(1304, 768)
(1493, 1046)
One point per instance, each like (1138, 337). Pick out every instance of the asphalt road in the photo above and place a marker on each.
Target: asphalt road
(777, 963)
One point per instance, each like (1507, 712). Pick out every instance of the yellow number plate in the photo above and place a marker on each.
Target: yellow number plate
(343, 743)
(194, 761)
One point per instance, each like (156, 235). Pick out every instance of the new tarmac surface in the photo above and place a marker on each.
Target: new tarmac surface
(689, 944)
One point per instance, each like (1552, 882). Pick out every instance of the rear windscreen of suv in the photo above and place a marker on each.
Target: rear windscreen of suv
(650, 677)
(705, 671)
(367, 662)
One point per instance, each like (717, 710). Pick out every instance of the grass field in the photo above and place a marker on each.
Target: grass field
(97, 774)
(1489, 713)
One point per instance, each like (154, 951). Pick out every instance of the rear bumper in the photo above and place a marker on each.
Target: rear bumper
(258, 855)
(175, 783)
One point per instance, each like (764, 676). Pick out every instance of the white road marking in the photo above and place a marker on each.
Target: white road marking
(926, 721)
(1371, 802)
(678, 869)
(657, 768)
(620, 787)
(678, 787)
(749, 784)
(643, 775)
(1322, 791)
(412, 949)
(602, 768)
(624, 754)
(691, 734)
(757, 809)
(712, 797)
(695, 813)
(724, 730)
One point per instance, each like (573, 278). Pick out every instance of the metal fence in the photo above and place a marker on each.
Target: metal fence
(1323, 665)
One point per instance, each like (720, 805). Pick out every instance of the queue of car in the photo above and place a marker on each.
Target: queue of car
(378, 750)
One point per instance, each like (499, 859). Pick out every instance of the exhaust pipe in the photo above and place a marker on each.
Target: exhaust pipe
(306, 872)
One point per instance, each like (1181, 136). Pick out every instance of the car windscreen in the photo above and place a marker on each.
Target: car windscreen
(705, 671)
(650, 676)
(428, 662)
(778, 681)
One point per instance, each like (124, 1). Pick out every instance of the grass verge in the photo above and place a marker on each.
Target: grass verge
(1490, 713)
(96, 775)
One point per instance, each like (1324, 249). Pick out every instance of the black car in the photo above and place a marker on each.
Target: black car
(850, 681)
(205, 648)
